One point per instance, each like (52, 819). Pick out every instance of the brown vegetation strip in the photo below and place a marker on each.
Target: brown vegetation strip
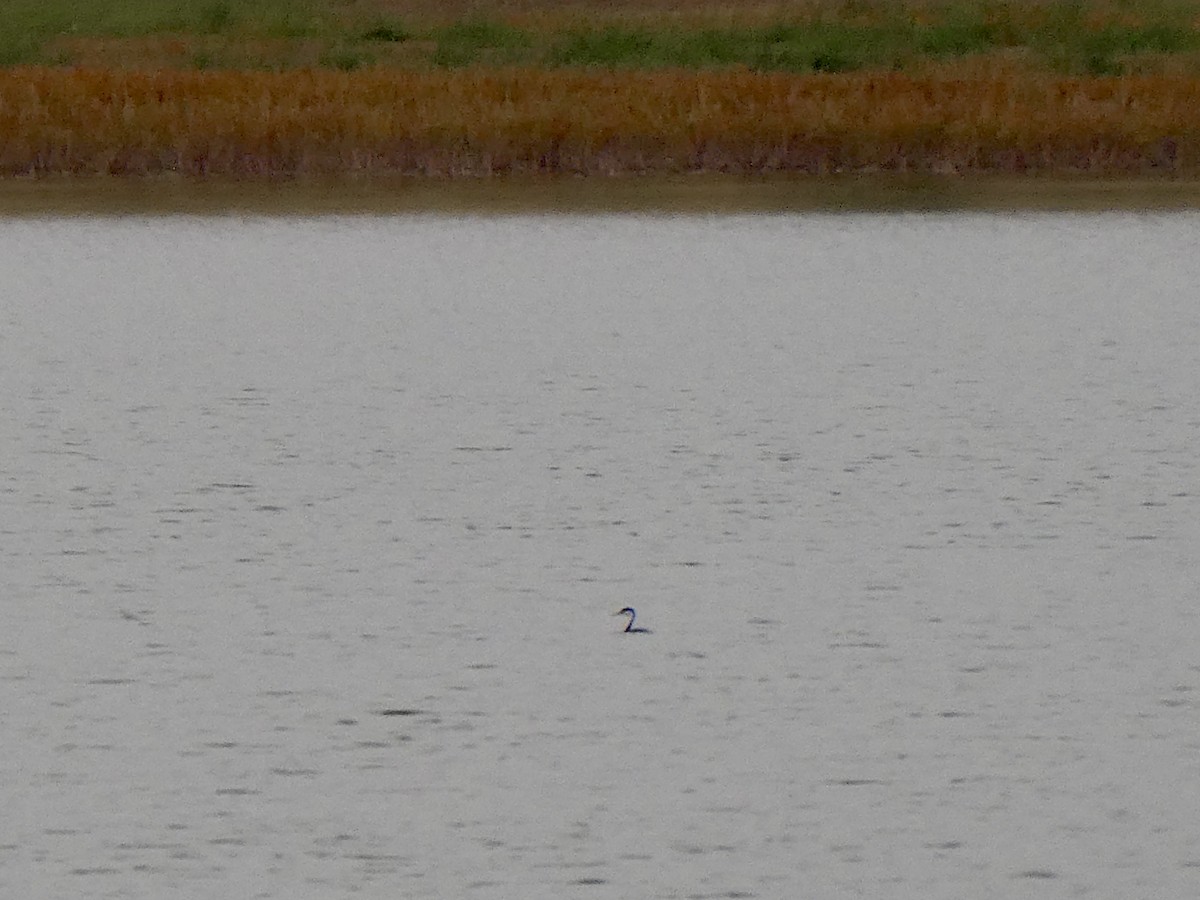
(485, 122)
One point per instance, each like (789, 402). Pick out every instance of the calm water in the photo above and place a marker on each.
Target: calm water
(312, 530)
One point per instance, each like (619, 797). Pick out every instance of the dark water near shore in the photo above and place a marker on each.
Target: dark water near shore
(688, 195)
(312, 529)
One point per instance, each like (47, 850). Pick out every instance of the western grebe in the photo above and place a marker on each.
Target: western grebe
(629, 629)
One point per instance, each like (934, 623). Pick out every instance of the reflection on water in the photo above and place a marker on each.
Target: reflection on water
(313, 531)
(683, 194)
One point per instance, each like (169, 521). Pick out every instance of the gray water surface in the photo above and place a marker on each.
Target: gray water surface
(312, 530)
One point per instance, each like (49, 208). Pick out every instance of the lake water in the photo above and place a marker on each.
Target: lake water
(312, 531)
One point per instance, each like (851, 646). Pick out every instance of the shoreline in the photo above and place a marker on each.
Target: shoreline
(687, 195)
(534, 91)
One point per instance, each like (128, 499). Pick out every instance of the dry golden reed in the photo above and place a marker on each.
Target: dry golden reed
(483, 122)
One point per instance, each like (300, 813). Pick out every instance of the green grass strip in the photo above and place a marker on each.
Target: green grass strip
(1065, 36)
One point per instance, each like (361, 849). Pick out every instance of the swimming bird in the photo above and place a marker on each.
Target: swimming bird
(629, 629)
